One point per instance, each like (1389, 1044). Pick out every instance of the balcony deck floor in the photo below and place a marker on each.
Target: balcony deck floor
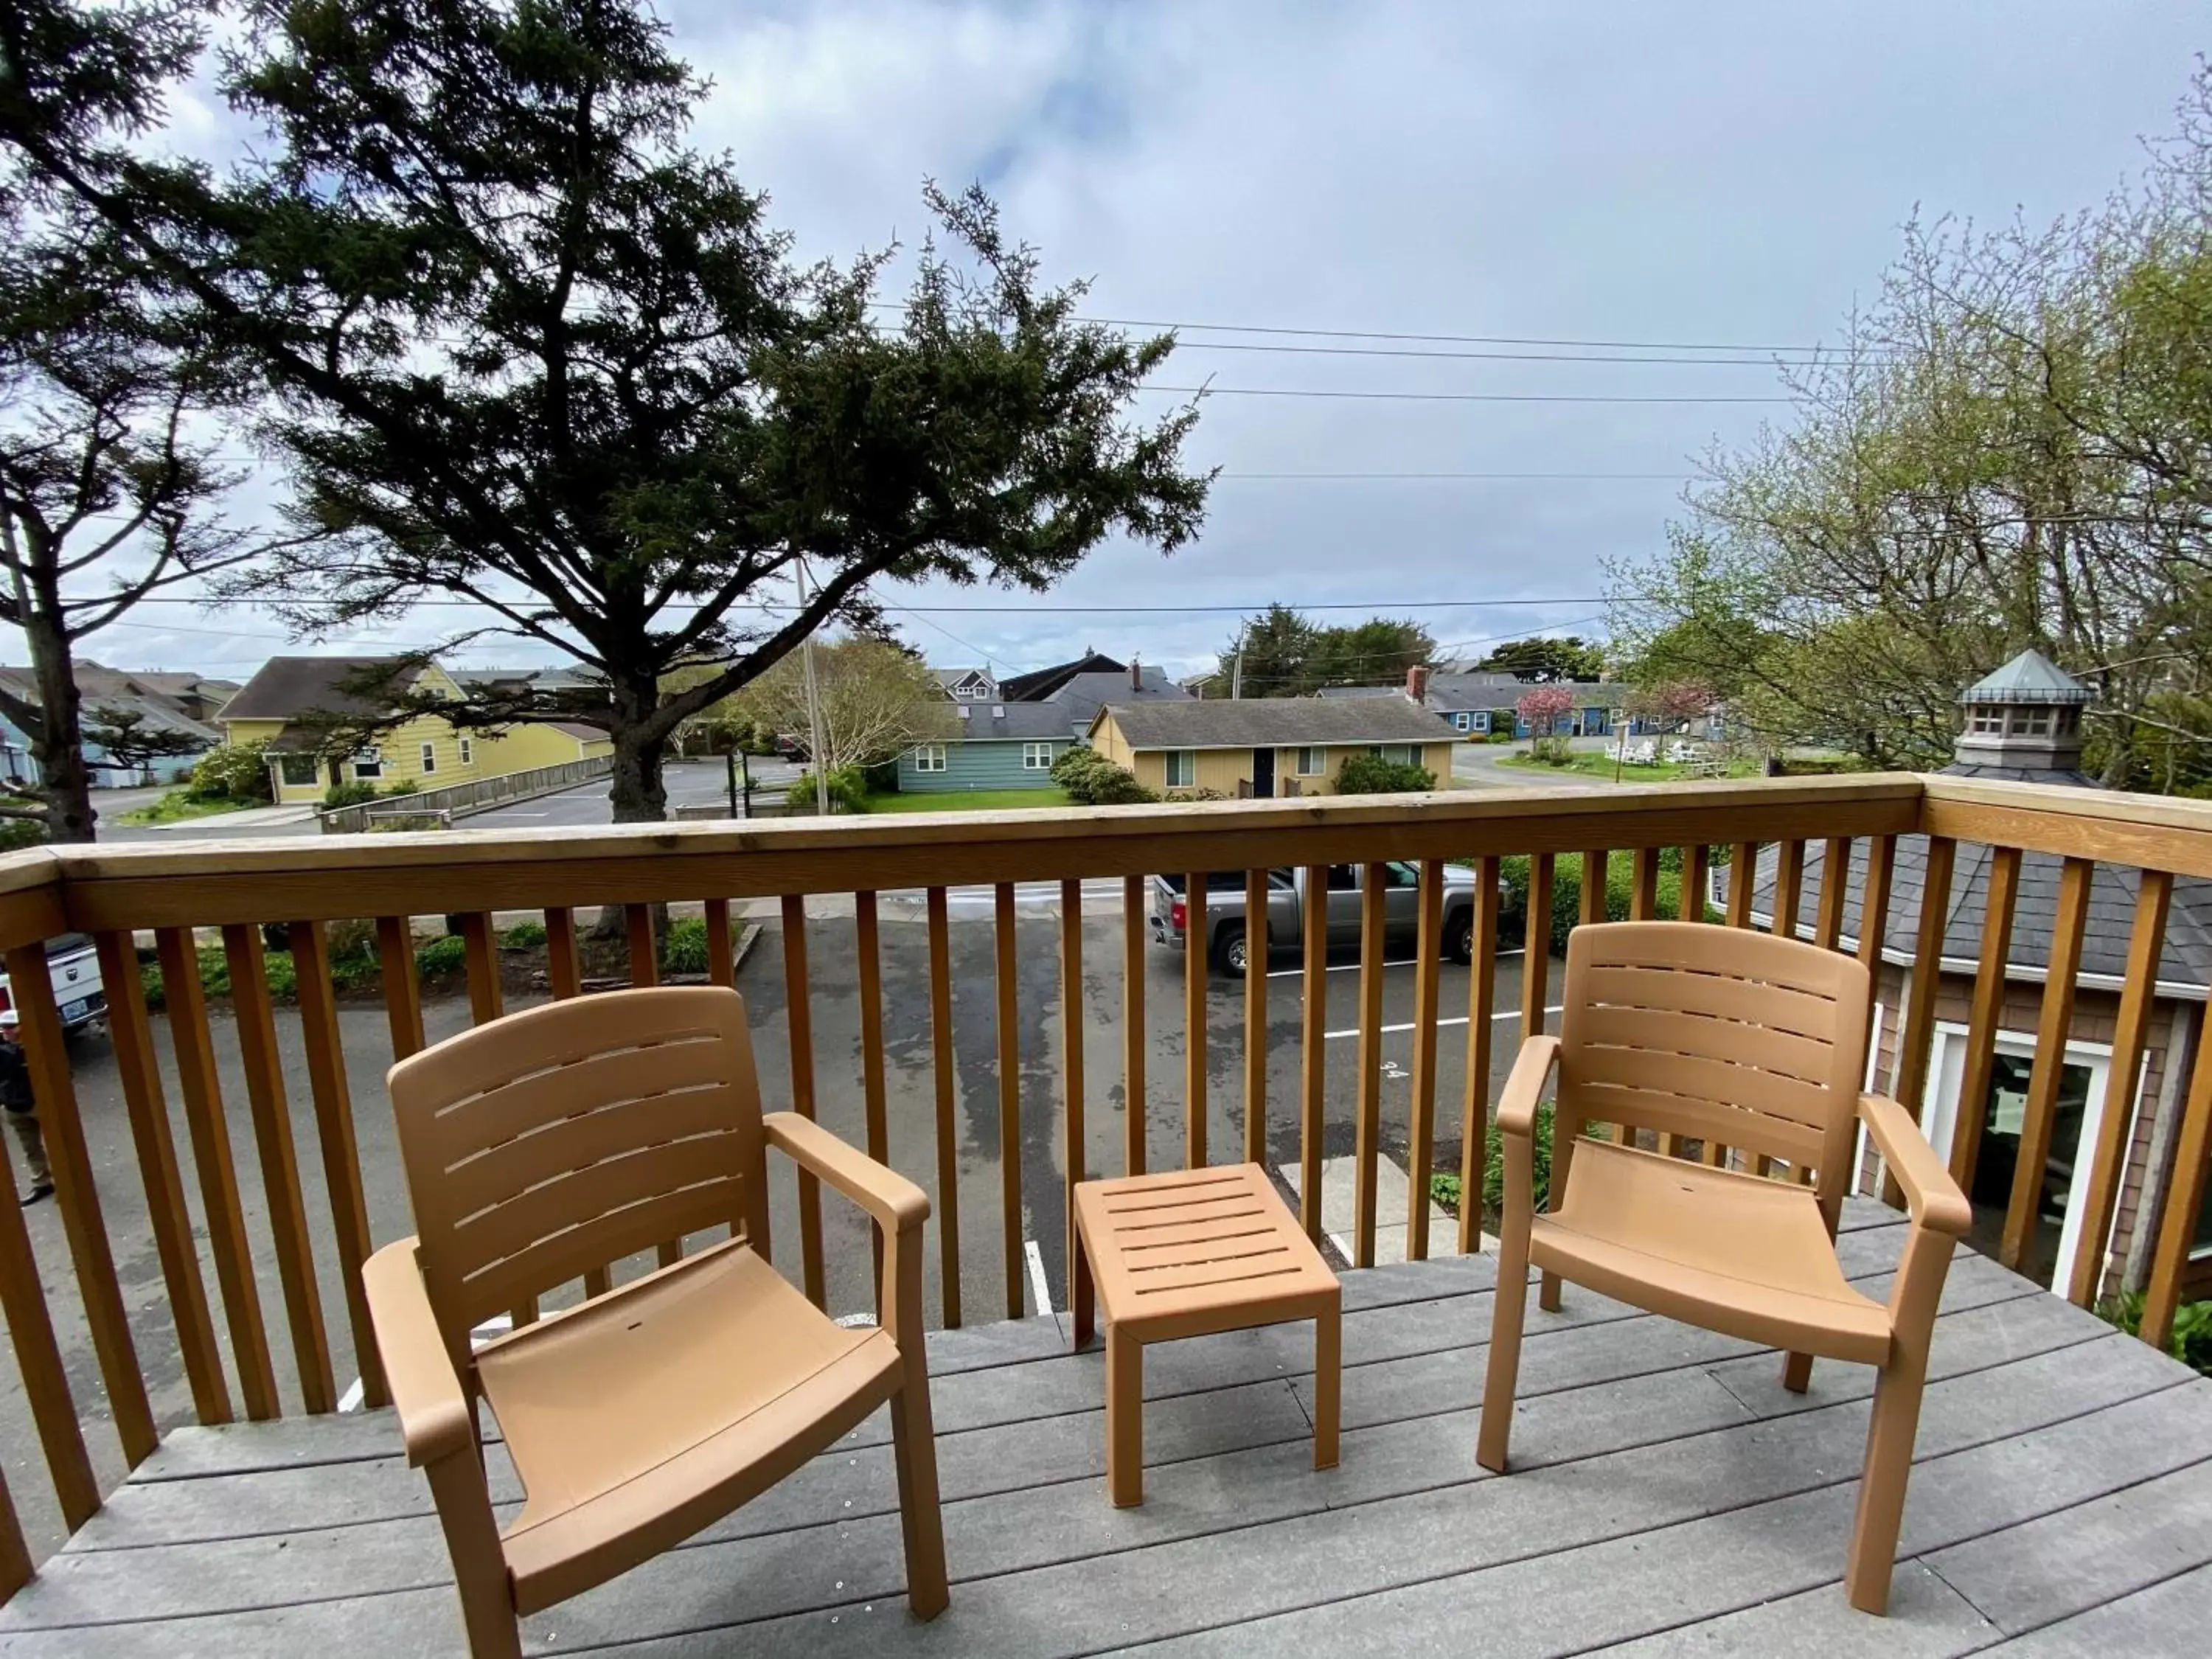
(1667, 1495)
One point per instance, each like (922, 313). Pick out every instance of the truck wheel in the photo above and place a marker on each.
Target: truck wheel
(1230, 949)
(1459, 938)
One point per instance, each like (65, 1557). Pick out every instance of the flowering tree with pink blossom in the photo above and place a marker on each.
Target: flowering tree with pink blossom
(1539, 708)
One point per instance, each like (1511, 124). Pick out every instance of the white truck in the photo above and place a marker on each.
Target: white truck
(74, 967)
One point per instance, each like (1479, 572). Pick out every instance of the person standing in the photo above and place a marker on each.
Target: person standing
(20, 1107)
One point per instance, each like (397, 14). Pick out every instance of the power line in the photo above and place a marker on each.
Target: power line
(1451, 396)
(1481, 356)
(1674, 477)
(1037, 610)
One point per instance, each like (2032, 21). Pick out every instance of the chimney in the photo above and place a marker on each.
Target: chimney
(1417, 685)
(1136, 675)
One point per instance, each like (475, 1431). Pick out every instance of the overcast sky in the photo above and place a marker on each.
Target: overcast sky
(1707, 173)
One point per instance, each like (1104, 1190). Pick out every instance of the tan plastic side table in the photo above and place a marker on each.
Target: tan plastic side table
(1189, 1252)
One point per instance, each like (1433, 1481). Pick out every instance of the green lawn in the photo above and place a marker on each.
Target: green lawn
(970, 801)
(1601, 765)
(176, 807)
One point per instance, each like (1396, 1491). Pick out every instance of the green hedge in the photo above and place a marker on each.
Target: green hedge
(1567, 891)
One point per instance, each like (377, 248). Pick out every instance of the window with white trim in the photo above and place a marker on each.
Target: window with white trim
(368, 765)
(298, 770)
(1183, 767)
(468, 751)
(1036, 757)
(1991, 720)
(1313, 761)
(1400, 753)
(429, 758)
(929, 758)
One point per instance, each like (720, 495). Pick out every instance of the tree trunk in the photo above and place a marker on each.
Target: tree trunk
(58, 745)
(635, 788)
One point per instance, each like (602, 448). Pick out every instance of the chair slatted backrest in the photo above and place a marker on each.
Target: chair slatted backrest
(558, 1140)
(1718, 1034)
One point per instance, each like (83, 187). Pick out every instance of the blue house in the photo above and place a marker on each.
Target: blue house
(1479, 702)
(1012, 731)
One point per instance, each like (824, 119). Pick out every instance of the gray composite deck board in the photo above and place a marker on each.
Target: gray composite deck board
(1666, 1496)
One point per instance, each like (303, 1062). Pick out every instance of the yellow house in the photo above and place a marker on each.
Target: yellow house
(276, 706)
(1260, 748)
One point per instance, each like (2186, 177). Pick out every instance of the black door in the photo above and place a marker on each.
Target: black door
(1263, 774)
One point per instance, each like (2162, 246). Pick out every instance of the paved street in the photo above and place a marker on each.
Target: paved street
(1476, 764)
(909, 1092)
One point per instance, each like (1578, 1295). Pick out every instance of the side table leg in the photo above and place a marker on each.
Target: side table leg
(1125, 1417)
(1329, 1380)
(1086, 1294)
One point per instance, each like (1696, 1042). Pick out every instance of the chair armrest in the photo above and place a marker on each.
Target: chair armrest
(1931, 1196)
(896, 1202)
(1524, 1086)
(433, 1407)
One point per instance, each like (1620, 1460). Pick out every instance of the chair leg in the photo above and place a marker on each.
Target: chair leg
(1548, 1293)
(464, 1504)
(1881, 1484)
(1125, 1417)
(1328, 1381)
(1086, 1295)
(914, 1446)
(1509, 1307)
(1797, 1372)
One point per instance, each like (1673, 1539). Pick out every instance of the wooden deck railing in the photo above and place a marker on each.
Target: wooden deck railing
(186, 896)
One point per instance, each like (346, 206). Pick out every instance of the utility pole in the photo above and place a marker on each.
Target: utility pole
(813, 705)
(1236, 677)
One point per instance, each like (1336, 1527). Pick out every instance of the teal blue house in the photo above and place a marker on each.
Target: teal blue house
(1011, 732)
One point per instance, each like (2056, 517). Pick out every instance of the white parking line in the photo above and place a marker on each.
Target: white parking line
(1039, 1287)
(1456, 1019)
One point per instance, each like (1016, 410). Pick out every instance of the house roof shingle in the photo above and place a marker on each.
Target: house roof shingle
(285, 688)
(1273, 722)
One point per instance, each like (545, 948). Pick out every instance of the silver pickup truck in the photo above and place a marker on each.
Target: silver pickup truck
(1225, 928)
(79, 996)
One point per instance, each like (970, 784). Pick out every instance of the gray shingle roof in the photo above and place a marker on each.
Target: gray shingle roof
(1273, 722)
(285, 688)
(1027, 722)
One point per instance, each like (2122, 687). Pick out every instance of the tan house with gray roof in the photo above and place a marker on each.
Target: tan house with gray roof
(1263, 747)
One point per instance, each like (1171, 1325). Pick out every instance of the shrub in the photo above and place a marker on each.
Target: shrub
(348, 794)
(1196, 792)
(20, 832)
(403, 787)
(523, 936)
(1505, 736)
(442, 958)
(846, 787)
(1370, 774)
(2192, 1341)
(1493, 1163)
(231, 771)
(1072, 761)
(1567, 891)
(685, 951)
(1096, 781)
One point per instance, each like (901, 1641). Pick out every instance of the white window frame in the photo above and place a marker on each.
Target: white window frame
(1398, 754)
(370, 759)
(1037, 756)
(314, 768)
(929, 758)
(1186, 761)
(468, 751)
(1312, 762)
(429, 758)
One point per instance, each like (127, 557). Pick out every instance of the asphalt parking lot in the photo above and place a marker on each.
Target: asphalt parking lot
(910, 1097)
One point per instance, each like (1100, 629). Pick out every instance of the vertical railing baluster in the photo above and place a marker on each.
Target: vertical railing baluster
(1428, 991)
(1743, 873)
(2184, 1204)
(487, 999)
(799, 1027)
(2041, 1112)
(334, 1132)
(1071, 1058)
(1474, 1117)
(948, 1142)
(15, 1567)
(644, 960)
(205, 1121)
(1010, 1103)
(1256, 1017)
(1690, 907)
(1367, 1134)
(867, 953)
(1874, 924)
(1835, 884)
(1916, 1031)
(132, 1034)
(1644, 895)
(1133, 1024)
(2000, 899)
(1193, 1022)
(2100, 1192)
(39, 1363)
(1597, 869)
(564, 968)
(1536, 957)
(721, 965)
(403, 994)
(1313, 1099)
(1788, 886)
(280, 1166)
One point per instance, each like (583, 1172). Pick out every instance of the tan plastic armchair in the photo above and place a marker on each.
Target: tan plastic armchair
(1745, 1041)
(541, 1148)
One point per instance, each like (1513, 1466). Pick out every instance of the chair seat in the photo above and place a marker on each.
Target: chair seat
(647, 1415)
(1733, 1253)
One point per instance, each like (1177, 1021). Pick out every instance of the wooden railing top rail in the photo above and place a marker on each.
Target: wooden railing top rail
(211, 881)
(2152, 832)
